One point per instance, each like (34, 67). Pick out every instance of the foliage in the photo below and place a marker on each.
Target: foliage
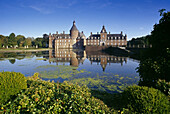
(163, 86)
(21, 41)
(142, 99)
(144, 40)
(3, 41)
(160, 35)
(44, 97)
(12, 40)
(10, 84)
(155, 64)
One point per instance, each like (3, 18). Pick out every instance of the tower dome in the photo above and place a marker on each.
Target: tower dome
(74, 31)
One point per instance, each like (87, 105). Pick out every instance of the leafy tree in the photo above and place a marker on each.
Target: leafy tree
(155, 64)
(160, 35)
(12, 40)
(144, 40)
(3, 40)
(20, 40)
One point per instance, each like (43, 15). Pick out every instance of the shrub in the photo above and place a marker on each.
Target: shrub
(163, 86)
(49, 97)
(10, 84)
(145, 100)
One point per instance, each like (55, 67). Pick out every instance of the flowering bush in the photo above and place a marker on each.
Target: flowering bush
(49, 97)
(10, 84)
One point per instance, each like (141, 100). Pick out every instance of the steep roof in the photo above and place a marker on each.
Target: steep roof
(74, 28)
(103, 30)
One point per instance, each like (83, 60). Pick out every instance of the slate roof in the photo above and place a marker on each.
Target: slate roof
(74, 28)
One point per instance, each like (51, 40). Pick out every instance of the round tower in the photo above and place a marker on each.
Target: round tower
(74, 31)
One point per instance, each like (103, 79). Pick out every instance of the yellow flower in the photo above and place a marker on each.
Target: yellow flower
(2, 108)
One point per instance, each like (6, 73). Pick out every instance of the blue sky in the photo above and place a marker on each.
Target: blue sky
(33, 18)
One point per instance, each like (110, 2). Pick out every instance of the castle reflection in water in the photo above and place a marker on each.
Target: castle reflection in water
(75, 57)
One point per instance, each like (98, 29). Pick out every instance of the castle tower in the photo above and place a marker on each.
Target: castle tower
(50, 40)
(74, 31)
(103, 35)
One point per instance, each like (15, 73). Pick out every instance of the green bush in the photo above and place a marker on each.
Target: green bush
(49, 97)
(163, 86)
(145, 100)
(10, 84)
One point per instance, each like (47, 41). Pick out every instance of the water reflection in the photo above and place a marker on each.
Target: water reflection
(75, 57)
(97, 70)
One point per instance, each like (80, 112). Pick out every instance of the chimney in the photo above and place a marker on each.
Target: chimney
(121, 33)
(109, 32)
(82, 32)
(91, 33)
(56, 32)
(63, 32)
(50, 34)
(97, 32)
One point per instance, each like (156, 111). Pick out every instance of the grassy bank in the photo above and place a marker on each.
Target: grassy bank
(24, 49)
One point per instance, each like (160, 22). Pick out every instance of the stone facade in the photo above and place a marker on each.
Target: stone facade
(75, 39)
(105, 39)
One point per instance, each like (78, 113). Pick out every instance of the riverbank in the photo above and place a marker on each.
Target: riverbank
(34, 95)
(24, 50)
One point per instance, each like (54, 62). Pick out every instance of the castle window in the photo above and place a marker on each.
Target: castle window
(122, 43)
(65, 40)
(118, 43)
(68, 40)
(111, 43)
(115, 44)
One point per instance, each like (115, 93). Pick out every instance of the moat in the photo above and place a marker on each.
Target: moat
(97, 70)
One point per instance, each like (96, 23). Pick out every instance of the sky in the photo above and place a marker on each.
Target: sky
(33, 18)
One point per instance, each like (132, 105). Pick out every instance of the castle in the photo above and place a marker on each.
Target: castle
(77, 39)
(73, 40)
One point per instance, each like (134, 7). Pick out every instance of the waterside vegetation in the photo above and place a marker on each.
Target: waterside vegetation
(49, 97)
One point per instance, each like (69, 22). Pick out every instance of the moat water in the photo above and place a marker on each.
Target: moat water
(97, 70)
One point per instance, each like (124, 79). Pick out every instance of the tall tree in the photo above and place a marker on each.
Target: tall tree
(12, 40)
(160, 36)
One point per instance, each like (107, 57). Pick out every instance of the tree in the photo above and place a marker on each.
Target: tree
(12, 40)
(3, 40)
(160, 36)
(155, 64)
(20, 40)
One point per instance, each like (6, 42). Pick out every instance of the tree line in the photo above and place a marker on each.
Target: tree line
(19, 41)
